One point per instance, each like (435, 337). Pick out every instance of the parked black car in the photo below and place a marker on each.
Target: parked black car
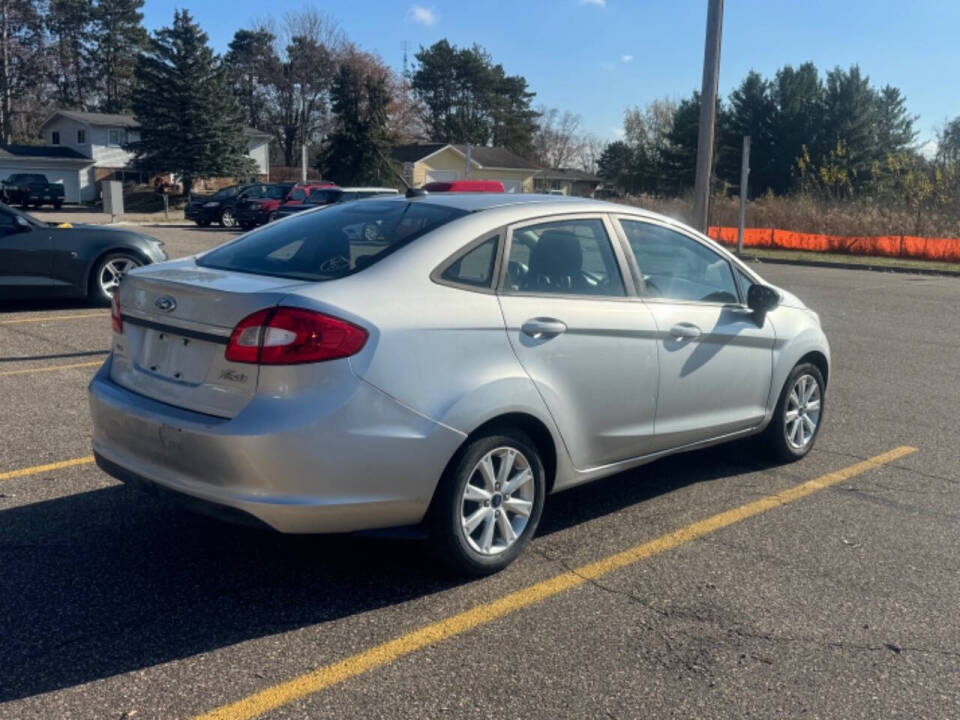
(31, 189)
(319, 197)
(39, 259)
(255, 204)
(216, 208)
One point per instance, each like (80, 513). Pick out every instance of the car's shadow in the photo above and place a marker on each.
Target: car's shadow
(113, 580)
(40, 304)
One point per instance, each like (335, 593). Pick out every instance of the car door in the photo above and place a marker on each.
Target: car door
(581, 335)
(715, 361)
(25, 254)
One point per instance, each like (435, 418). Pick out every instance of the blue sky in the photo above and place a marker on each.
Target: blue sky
(595, 57)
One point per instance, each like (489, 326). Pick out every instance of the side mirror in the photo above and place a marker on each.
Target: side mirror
(762, 298)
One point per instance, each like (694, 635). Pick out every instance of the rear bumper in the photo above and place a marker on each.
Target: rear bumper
(361, 462)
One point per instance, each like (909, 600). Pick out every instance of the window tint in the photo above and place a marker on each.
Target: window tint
(475, 267)
(298, 194)
(677, 267)
(572, 257)
(745, 282)
(330, 244)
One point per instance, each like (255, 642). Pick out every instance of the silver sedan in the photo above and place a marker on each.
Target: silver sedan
(446, 360)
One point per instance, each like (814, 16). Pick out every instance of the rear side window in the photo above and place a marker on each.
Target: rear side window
(474, 268)
(327, 245)
(569, 257)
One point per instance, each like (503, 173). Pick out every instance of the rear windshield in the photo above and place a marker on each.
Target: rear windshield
(332, 243)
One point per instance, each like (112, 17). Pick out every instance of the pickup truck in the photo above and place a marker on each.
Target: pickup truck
(31, 189)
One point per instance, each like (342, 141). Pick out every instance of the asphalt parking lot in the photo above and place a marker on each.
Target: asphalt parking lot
(641, 596)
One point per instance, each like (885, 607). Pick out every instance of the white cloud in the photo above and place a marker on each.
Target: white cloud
(598, 3)
(929, 149)
(422, 15)
(626, 58)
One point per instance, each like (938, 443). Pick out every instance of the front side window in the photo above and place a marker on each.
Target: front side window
(474, 267)
(330, 244)
(677, 267)
(569, 257)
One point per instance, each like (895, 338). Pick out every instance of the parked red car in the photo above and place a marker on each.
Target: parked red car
(483, 186)
(299, 192)
(256, 203)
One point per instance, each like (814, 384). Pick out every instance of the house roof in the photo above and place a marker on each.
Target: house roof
(52, 152)
(96, 118)
(568, 174)
(482, 156)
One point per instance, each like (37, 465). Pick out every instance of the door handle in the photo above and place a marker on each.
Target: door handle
(543, 327)
(684, 331)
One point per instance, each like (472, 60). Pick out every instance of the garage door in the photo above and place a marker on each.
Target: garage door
(69, 178)
(441, 175)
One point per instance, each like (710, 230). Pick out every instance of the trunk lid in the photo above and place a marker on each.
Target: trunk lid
(178, 318)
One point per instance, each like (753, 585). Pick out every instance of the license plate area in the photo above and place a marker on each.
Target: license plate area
(175, 357)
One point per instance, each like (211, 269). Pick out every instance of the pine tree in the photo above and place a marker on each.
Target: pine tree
(191, 124)
(357, 149)
(118, 38)
(69, 25)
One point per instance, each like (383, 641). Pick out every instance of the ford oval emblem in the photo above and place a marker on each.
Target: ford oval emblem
(165, 303)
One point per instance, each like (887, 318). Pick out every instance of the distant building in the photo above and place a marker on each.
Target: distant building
(444, 162)
(567, 181)
(98, 138)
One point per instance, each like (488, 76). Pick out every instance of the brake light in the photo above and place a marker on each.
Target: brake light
(116, 319)
(290, 336)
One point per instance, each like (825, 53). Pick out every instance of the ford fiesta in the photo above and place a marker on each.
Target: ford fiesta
(446, 360)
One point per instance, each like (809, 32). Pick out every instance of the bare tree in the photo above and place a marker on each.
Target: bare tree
(308, 46)
(557, 141)
(591, 148)
(648, 129)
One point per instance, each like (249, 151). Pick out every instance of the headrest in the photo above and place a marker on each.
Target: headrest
(557, 254)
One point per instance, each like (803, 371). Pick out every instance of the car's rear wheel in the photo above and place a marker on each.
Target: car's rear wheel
(488, 504)
(796, 422)
(108, 273)
(227, 219)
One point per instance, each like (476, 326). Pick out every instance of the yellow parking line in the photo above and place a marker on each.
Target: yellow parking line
(51, 368)
(324, 677)
(51, 318)
(23, 472)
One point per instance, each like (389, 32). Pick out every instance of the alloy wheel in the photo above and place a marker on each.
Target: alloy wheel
(113, 271)
(802, 411)
(227, 219)
(497, 500)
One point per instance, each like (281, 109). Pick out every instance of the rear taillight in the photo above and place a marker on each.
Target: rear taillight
(116, 319)
(288, 336)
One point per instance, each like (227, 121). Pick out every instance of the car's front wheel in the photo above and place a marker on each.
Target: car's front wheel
(797, 419)
(227, 219)
(489, 503)
(107, 276)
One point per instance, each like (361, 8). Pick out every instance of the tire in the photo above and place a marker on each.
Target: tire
(108, 267)
(788, 438)
(462, 550)
(227, 219)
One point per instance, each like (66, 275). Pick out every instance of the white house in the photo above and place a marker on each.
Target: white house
(101, 137)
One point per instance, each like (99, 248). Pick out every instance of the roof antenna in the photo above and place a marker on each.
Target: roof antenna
(411, 192)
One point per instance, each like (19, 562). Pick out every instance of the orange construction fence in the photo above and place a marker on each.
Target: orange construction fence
(905, 246)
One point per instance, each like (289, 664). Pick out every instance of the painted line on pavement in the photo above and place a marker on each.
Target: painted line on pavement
(23, 472)
(51, 368)
(51, 318)
(327, 676)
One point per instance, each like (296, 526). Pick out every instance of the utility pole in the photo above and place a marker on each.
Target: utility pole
(744, 179)
(303, 162)
(708, 114)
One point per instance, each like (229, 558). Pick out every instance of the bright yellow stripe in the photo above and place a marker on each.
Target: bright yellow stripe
(273, 697)
(51, 318)
(10, 474)
(51, 368)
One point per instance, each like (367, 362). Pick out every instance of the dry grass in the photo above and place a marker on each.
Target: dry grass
(805, 214)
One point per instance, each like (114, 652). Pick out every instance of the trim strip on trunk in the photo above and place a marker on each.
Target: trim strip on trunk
(175, 330)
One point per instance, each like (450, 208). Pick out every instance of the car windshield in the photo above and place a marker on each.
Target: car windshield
(225, 193)
(323, 197)
(330, 244)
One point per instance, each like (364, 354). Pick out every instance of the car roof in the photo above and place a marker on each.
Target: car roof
(474, 202)
(364, 189)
